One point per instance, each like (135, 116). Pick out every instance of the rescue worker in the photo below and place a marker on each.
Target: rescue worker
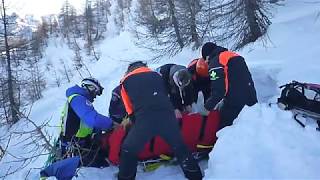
(117, 112)
(232, 86)
(198, 69)
(178, 84)
(81, 122)
(145, 98)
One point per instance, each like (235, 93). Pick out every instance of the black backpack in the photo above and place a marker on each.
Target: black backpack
(301, 98)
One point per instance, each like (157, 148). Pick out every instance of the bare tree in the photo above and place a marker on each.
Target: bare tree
(89, 22)
(170, 25)
(35, 140)
(68, 21)
(34, 83)
(122, 10)
(255, 12)
(175, 22)
(79, 64)
(160, 31)
(101, 14)
(238, 22)
(167, 26)
(20, 73)
(13, 108)
(187, 12)
(66, 71)
(4, 144)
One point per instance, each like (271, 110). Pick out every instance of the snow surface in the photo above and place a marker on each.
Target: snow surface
(263, 143)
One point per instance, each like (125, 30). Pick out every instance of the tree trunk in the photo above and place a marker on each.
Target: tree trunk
(13, 107)
(175, 23)
(193, 24)
(250, 8)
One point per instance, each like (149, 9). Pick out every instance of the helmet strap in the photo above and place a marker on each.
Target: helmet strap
(91, 92)
(175, 79)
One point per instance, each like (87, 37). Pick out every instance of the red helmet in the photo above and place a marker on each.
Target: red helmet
(202, 68)
(192, 63)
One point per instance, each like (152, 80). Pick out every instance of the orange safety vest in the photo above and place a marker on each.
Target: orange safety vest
(224, 58)
(124, 95)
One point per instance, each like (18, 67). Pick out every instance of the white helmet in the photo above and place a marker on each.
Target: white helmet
(92, 85)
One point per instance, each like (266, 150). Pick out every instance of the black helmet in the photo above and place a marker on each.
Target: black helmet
(182, 78)
(92, 85)
(207, 49)
(134, 65)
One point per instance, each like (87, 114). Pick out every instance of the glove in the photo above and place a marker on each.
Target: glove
(205, 112)
(125, 122)
(178, 113)
(188, 109)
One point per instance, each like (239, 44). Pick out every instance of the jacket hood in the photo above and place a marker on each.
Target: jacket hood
(79, 90)
(174, 69)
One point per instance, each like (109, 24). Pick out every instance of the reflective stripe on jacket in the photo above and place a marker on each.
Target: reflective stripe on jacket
(83, 130)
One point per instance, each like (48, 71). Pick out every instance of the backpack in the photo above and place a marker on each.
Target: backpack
(301, 98)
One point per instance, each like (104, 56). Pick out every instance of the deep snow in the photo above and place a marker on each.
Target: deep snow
(263, 143)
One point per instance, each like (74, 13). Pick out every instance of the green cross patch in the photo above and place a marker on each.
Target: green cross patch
(213, 76)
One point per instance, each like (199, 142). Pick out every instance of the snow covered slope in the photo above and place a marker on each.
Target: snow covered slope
(263, 143)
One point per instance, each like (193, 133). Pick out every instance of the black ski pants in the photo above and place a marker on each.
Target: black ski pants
(229, 112)
(148, 125)
(88, 149)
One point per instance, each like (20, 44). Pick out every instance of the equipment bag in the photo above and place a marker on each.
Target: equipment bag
(301, 98)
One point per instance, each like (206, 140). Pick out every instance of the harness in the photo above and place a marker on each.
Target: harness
(70, 144)
(83, 130)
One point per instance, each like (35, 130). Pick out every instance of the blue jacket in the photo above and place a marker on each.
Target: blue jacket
(82, 106)
(63, 169)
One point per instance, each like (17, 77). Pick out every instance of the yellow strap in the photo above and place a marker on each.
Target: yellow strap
(165, 157)
(65, 108)
(64, 112)
(156, 165)
(71, 97)
(152, 167)
(64, 115)
(204, 146)
(83, 130)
